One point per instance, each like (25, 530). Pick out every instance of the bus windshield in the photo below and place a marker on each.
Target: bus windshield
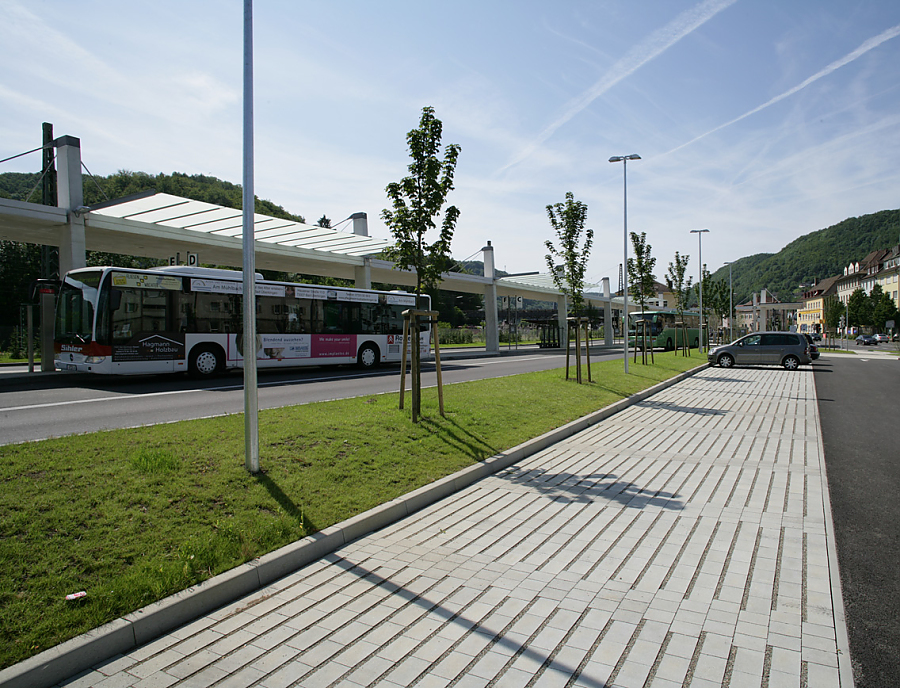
(75, 307)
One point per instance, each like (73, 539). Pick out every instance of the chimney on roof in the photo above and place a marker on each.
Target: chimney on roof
(360, 224)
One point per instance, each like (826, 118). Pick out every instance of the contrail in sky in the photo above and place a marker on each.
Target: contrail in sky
(655, 44)
(868, 45)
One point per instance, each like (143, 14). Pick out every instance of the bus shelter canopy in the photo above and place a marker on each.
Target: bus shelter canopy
(165, 210)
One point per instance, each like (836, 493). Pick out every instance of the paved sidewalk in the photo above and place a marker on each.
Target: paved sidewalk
(685, 541)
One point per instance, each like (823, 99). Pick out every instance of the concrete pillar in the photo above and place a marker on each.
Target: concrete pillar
(607, 314)
(70, 195)
(562, 313)
(363, 274)
(755, 323)
(360, 224)
(491, 320)
(48, 315)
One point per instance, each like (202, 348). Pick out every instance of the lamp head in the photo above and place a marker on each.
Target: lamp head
(620, 158)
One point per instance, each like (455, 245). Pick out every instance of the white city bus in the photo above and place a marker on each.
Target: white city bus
(122, 321)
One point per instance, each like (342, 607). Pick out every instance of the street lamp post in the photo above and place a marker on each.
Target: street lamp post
(624, 160)
(699, 233)
(730, 303)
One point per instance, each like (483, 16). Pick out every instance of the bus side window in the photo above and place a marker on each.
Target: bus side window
(271, 315)
(395, 320)
(333, 317)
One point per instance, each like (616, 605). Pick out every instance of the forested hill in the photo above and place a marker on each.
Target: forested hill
(814, 256)
(199, 187)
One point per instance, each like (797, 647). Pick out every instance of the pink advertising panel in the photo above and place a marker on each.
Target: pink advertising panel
(333, 345)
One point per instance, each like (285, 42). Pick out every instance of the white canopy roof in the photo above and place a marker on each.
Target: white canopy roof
(166, 210)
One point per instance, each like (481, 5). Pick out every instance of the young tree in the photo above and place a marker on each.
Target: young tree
(641, 282)
(706, 281)
(417, 202)
(720, 300)
(678, 284)
(567, 220)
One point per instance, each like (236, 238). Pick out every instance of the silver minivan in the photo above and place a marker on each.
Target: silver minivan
(787, 349)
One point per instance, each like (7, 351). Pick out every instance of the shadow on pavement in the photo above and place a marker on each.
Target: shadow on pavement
(569, 488)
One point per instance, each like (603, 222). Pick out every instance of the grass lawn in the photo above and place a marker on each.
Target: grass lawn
(7, 358)
(131, 516)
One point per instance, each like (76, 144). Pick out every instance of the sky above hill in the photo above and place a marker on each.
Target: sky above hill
(761, 120)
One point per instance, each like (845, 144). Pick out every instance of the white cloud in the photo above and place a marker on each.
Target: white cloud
(868, 45)
(655, 44)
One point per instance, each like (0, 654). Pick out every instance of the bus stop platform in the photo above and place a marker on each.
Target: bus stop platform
(682, 539)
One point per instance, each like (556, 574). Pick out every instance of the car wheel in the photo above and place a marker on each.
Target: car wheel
(725, 361)
(791, 363)
(205, 361)
(368, 356)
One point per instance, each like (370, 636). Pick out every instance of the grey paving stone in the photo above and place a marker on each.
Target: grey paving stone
(630, 524)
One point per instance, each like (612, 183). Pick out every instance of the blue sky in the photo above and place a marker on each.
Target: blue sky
(761, 120)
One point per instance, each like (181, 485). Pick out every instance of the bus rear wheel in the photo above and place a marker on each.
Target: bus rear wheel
(205, 361)
(368, 356)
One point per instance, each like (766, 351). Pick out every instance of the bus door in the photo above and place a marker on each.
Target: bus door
(143, 338)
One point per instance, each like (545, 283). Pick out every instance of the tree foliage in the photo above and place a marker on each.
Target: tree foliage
(859, 309)
(567, 220)
(718, 297)
(883, 308)
(641, 282)
(199, 187)
(20, 265)
(678, 283)
(833, 310)
(417, 201)
(707, 281)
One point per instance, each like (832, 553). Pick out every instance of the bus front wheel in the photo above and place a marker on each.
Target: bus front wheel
(205, 361)
(368, 356)
(669, 345)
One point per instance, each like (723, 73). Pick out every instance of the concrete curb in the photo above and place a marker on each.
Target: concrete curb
(118, 637)
(842, 638)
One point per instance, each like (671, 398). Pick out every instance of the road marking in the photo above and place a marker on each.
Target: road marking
(90, 401)
(227, 388)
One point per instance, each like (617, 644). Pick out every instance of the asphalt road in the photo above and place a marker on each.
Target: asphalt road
(57, 404)
(859, 406)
